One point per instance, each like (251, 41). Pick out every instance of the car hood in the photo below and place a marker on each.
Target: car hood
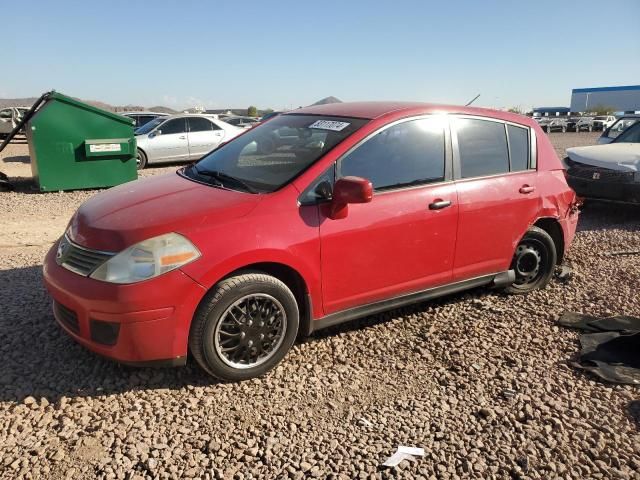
(142, 139)
(624, 157)
(138, 210)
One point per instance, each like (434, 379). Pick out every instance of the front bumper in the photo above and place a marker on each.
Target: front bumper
(628, 192)
(146, 322)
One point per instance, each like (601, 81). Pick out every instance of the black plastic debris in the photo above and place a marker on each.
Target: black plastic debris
(4, 183)
(610, 348)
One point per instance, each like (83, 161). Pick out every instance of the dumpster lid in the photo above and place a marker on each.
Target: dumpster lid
(86, 106)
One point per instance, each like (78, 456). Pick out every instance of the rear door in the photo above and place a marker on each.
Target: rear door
(204, 136)
(403, 240)
(496, 179)
(171, 144)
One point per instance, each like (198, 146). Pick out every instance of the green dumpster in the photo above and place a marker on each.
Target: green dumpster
(74, 145)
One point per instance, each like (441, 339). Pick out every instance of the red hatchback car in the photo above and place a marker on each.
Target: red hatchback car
(315, 217)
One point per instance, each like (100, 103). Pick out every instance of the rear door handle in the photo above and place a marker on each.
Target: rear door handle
(182, 137)
(439, 204)
(527, 189)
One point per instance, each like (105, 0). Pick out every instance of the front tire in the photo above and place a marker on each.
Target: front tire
(533, 261)
(244, 326)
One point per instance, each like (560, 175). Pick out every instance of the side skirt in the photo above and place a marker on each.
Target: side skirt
(500, 279)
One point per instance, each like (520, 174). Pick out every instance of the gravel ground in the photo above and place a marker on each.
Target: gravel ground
(480, 380)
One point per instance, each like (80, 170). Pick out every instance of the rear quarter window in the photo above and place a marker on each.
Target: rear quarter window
(518, 148)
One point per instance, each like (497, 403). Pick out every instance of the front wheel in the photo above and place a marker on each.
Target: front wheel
(141, 160)
(244, 326)
(533, 261)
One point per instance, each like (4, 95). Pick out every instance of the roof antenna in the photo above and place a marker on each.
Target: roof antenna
(474, 99)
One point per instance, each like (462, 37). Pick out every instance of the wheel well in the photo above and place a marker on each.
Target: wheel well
(553, 228)
(292, 279)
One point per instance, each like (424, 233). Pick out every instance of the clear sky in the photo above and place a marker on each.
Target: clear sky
(285, 53)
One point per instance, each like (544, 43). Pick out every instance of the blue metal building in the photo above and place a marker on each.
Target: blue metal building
(620, 99)
(550, 111)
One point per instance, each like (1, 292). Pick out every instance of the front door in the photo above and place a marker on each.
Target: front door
(204, 136)
(497, 193)
(171, 144)
(404, 239)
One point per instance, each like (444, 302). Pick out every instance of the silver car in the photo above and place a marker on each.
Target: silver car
(181, 138)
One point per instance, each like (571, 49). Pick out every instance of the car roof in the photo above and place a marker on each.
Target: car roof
(143, 112)
(372, 110)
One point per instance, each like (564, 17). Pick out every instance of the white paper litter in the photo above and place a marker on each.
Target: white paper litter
(403, 453)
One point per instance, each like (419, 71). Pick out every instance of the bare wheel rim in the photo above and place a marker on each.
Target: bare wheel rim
(528, 263)
(250, 331)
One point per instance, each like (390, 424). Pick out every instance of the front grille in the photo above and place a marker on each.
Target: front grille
(66, 316)
(79, 259)
(588, 172)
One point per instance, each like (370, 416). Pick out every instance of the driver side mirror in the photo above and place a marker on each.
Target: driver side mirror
(349, 190)
(155, 133)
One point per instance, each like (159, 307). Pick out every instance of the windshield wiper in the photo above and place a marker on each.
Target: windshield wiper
(221, 177)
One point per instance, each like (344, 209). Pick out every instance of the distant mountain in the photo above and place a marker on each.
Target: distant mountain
(27, 102)
(17, 102)
(161, 109)
(327, 100)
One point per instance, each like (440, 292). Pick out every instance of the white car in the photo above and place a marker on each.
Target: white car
(181, 138)
(9, 118)
(608, 172)
(602, 122)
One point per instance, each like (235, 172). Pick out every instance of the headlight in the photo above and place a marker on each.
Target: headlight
(147, 259)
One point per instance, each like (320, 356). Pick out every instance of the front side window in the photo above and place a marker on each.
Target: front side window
(173, 126)
(409, 153)
(483, 147)
(270, 155)
(199, 124)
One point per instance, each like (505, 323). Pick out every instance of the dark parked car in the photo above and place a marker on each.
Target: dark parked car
(553, 124)
(580, 124)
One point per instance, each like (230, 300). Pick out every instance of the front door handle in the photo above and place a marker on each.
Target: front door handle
(527, 189)
(439, 204)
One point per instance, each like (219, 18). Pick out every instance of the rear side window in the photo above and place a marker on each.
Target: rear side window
(199, 124)
(409, 153)
(518, 148)
(483, 147)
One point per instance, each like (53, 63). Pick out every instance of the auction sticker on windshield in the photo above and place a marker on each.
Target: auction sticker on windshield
(329, 125)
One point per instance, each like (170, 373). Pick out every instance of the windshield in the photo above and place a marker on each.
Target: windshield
(630, 135)
(147, 127)
(270, 155)
(600, 118)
